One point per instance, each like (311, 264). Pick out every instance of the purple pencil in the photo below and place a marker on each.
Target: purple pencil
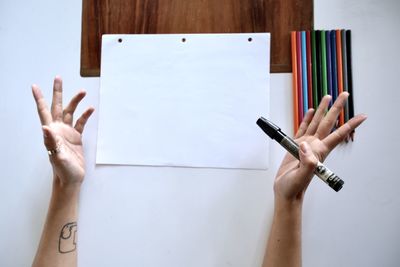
(329, 62)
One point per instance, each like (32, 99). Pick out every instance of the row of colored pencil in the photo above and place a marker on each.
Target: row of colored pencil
(321, 63)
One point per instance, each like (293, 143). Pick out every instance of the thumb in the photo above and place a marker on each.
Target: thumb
(308, 162)
(50, 139)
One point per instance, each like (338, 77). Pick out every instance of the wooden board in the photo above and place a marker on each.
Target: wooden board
(193, 16)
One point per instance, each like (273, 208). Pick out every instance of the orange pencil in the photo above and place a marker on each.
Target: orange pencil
(295, 95)
(339, 71)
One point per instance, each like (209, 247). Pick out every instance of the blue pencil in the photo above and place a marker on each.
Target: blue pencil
(329, 62)
(334, 66)
(304, 70)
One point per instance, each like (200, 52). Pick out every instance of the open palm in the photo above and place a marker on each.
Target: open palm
(62, 140)
(317, 138)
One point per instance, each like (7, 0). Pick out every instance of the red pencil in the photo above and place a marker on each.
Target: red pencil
(309, 70)
(295, 95)
(339, 71)
(299, 75)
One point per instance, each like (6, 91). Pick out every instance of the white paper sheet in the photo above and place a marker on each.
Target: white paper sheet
(193, 103)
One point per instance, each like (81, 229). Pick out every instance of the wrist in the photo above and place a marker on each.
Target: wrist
(64, 198)
(70, 188)
(288, 206)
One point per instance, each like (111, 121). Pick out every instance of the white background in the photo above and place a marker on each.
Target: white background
(144, 216)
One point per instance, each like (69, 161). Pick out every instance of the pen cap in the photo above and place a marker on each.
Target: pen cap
(268, 127)
(337, 185)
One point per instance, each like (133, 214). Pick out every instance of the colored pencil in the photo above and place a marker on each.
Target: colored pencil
(340, 70)
(334, 66)
(299, 76)
(324, 72)
(319, 65)
(304, 71)
(329, 62)
(350, 79)
(345, 82)
(321, 62)
(314, 70)
(349, 74)
(295, 95)
(309, 70)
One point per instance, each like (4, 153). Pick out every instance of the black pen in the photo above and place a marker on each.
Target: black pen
(274, 132)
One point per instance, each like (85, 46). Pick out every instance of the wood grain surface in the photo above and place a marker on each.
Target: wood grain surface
(193, 16)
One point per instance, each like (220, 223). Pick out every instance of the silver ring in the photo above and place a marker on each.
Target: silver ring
(52, 152)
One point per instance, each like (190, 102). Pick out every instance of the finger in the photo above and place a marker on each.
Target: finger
(68, 114)
(43, 111)
(319, 115)
(327, 123)
(80, 123)
(336, 137)
(305, 123)
(308, 163)
(56, 105)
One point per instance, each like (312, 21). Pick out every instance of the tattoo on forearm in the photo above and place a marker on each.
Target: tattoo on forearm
(67, 240)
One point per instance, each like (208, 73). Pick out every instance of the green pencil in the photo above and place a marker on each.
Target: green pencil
(324, 70)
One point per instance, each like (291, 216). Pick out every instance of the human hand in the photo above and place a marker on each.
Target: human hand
(316, 142)
(63, 141)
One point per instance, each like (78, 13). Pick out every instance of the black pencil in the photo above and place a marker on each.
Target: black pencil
(350, 77)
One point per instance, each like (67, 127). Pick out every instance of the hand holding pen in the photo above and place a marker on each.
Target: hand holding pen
(316, 140)
(312, 144)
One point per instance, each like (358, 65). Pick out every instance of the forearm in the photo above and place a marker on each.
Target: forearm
(58, 242)
(284, 243)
